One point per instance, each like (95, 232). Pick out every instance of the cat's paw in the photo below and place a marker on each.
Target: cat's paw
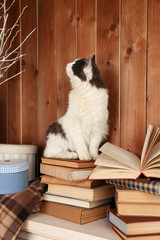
(85, 156)
(73, 155)
(94, 156)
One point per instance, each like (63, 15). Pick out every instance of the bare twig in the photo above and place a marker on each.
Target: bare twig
(9, 55)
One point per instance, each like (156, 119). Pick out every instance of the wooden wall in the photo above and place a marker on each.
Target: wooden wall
(124, 35)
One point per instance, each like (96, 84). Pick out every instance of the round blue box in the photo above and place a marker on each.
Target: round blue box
(13, 176)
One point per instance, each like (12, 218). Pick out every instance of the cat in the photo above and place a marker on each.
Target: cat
(79, 133)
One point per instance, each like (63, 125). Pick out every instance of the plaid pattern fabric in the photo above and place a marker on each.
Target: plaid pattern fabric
(14, 209)
(149, 187)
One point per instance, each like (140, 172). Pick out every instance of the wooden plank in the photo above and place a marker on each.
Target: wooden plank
(3, 101)
(14, 84)
(29, 77)
(108, 58)
(3, 115)
(47, 95)
(133, 74)
(153, 84)
(86, 28)
(66, 49)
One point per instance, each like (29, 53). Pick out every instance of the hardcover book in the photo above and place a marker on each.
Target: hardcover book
(74, 201)
(154, 236)
(74, 214)
(55, 228)
(65, 173)
(72, 163)
(85, 184)
(92, 194)
(117, 163)
(133, 225)
(138, 209)
(132, 196)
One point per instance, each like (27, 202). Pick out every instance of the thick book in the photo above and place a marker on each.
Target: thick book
(90, 194)
(138, 209)
(154, 236)
(117, 163)
(66, 173)
(152, 187)
(133, 225)
(74, 201)
(132, 196)
(23, 235)
(85, 184)
(72, 163)
(55, 228)
(74, 214)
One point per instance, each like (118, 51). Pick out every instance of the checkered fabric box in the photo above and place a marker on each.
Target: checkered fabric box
(149, 187)
(13, 176)
(7, 166)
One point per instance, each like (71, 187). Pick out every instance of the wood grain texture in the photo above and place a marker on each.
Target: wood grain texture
(116, 31)
(86, 28)
(3, 100)
(29, 77)
(4, 113)
(133, 74)
(153, 84)
(66, 49)
(47, 85)
(14, 84)
(108, 58)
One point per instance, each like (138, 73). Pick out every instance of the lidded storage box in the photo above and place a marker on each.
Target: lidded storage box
(20, 152)
(13, 176)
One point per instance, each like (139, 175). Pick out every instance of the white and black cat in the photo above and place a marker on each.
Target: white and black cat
(79, 133)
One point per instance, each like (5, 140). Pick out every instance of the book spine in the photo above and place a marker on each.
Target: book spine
(149, 187)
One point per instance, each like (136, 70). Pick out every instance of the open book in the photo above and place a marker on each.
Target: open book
(117, 163)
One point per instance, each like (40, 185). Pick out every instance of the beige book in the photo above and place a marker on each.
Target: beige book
(56, 228)
(138, 209)
(86, 183)
(155, 236)
(74, 201)
(65, 173)
(117, 163)
(127, 195)
(92, 194)
(72, 163)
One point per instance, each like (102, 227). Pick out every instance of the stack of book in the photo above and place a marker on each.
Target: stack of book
(70, 195)
(137, 200)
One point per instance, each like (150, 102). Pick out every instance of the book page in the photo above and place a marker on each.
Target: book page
(107, 161)
(146, 141)
(153, 140)
(153, 154)
(153, 172)
(151, 137)
(110, 173)
(80, 175)
(153, 164)
(121, 155)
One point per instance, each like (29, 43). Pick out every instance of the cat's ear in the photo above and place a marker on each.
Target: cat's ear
(93, 59)
(89, 60)
(89, 66)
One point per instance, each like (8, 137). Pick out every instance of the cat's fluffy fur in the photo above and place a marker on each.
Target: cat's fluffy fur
(79, 133)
